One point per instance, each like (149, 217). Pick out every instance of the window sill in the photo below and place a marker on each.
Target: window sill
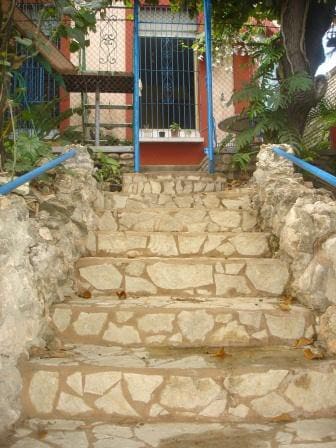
(171, 139)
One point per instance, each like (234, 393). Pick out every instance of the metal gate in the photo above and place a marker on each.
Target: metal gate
(34, 85)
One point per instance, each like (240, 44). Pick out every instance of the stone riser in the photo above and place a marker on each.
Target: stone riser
(177, 183)
(157, 244)
(79, 391)
(180, 325)
(186, 277)
(230, 200)
(177, 220)
(79, 434)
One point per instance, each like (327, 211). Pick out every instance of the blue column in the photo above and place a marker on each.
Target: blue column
(208, 60)
(136, 92)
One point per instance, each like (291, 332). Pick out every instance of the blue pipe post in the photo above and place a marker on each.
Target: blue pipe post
(10, 186)
(136, 90)
(208, 60)
(326, 177)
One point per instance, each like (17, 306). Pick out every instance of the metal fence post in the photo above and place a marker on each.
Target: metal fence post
(136, 93)
(208, 60)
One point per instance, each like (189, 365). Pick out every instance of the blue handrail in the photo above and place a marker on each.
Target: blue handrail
(208, 61)
(326, 177)
(10, 186)
(136, 92)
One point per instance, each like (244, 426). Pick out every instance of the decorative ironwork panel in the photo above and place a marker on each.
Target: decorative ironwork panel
(167, 72)
(108, 43)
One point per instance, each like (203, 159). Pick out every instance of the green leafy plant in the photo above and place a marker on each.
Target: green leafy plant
(267, 109)
(44, 118)
(108, 169)
(25, 153)
(175, 127)
(241, 160)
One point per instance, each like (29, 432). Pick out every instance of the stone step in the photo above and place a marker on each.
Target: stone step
(231, 199)
(317, 433)
(167, 244)
(173, 183)
(250, 277)
(144, 385)
(177, 322)
(178, 220)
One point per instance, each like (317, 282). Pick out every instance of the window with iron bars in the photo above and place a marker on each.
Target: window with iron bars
(34, 85)
(168, 70)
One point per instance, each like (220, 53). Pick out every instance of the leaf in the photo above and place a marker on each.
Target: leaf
(283, 418)
(85, 294)
(42, 434)
(121, 295)
(285, 306)
(302, 342)
(24, 41)
(285, 303)
(221, 354)
(74, 46)
(312, 354)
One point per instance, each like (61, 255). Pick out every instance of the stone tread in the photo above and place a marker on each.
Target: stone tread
(178, 220)
(181, 322)
(178, 182)
(222, 277)
(90, 381)
(222, 199)
(36, 433)
(169, 244)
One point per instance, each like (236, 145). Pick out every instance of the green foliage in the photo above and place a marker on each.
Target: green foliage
(268, 101)
(108, 169)
(44, 118)
(25, 153)
(324, 113)
(175, 127)
(241, 160)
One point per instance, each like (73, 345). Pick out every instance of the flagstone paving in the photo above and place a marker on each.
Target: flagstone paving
(179, 333)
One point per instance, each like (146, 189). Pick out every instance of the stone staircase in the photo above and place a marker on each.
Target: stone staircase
(174, 336)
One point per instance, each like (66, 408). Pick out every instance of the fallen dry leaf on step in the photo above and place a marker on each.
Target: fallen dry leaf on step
(283, 418)
(285, 303)
(312, 354)
(45, 353)
(284, 306)
(42, 434)
(121, 295)
(302, 342)
(221, 354)
(85, 295)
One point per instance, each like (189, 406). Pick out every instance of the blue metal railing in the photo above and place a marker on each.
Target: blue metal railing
(10, 186)
(208, 62)
(136, 92)
(326, 177)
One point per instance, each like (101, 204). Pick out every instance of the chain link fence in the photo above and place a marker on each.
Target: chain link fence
(110, 51)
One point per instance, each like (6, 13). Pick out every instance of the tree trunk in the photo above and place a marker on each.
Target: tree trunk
(303, 25)
(6, 46)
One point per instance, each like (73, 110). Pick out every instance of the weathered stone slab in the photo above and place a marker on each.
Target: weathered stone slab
(42, 391)
(162, 321)
(242, 277)
(163, 244)
(172, 183)
(180, 276)
(260, 385)
(238, 198)
(312, 433)
(185, 220)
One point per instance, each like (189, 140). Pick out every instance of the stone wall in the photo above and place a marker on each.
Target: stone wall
(303, 220)
(41, 237)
